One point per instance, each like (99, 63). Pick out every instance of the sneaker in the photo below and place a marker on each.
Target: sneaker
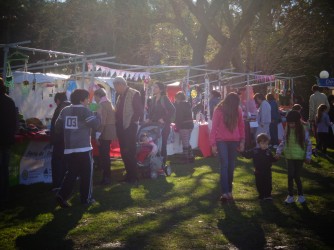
(301, 199)
(269, 198)
(224, 197)
(289, 199)
(61, 202)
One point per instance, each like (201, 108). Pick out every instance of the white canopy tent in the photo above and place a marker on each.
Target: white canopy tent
(33, 93)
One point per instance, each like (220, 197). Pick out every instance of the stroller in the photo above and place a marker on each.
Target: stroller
(151, 165)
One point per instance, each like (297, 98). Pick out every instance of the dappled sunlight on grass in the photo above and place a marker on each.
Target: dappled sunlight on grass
(181, 211)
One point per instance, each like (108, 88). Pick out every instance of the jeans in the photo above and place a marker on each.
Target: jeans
(227, 154)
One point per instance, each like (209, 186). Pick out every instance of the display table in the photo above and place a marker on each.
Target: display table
(199, 139)
(203, 140)
(114, 149)
(174, 144)
(35, 162)
(250, 130)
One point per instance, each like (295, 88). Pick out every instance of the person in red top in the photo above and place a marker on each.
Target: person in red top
(226, 136)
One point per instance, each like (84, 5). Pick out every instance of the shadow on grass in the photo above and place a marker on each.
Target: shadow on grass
(158, 210)
(166, 219)
(315, 223)
(53, 234)
(242, 232)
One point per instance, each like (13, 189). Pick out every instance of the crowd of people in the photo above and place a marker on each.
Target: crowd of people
(73, 122)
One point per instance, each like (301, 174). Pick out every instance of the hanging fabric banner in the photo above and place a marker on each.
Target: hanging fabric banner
(127, 74)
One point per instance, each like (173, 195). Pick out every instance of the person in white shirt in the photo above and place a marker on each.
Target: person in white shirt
(263, 116)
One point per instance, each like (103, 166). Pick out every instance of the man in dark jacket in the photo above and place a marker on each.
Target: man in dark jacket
(129, 110)
(8, 127)
(58, 164)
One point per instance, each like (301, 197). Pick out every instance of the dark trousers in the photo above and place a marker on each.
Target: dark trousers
(127, 143)
(58, 165)
(164, 137)
(273, 133)
(4, 173)
(294, 169)
(263, 182)
(79, 165)
(104, 159)
(322, 142)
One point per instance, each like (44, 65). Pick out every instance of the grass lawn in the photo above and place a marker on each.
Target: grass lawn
(181, 211)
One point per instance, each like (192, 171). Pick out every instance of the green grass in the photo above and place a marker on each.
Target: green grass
(181, 211)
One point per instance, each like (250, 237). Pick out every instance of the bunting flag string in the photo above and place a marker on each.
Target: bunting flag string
(264, 78)
(117, 72)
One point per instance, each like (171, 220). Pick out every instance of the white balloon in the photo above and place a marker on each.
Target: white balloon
(324, 74)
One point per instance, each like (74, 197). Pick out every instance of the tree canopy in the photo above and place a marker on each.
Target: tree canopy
(294, 37)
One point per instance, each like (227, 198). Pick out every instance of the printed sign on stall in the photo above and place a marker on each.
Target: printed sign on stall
(35, 165)
(328, 82)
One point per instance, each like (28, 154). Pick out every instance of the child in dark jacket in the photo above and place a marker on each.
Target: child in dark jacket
(262, 160)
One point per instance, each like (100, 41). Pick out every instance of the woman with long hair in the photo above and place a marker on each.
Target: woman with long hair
(275, 117)
(227, 134)
(161, 111)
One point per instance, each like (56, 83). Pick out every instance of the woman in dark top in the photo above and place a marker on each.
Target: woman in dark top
(161, 111)
(215, 98)
(275, 117)
(184, 124)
